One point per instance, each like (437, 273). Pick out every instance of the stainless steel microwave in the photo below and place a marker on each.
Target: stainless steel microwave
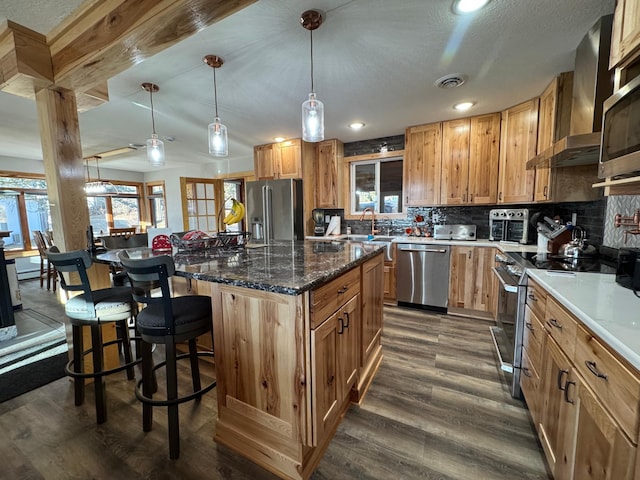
(620, 147)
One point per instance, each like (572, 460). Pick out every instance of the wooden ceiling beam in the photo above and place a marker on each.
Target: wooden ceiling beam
(113, 35)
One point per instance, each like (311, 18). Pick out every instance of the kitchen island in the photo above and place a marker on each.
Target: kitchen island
(297, 329)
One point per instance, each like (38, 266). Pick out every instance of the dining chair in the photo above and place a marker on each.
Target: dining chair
(124, 232)
(167, 320)
(47, 271)
(93, 309)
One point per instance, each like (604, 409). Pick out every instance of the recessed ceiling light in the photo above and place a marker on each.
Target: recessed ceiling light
(279, 139)
(356, 125)
(468, 6)
(463, 106)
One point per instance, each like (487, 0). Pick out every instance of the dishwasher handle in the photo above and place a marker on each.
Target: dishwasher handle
(404, 248)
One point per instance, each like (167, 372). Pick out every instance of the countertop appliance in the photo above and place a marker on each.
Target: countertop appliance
(423, 276)
(454, 232)
(620, 148)
(510, 269)
(274, 209)
(628, 269)
(322, 219)
(509, 225)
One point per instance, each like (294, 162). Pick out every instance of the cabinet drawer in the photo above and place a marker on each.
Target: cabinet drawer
(536, 298)
(533, 337)
(332, 295)
(561, 326)
(616, 386)
(530, 384)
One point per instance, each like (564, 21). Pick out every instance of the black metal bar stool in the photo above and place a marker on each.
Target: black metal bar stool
(93, 308)
(167, 321)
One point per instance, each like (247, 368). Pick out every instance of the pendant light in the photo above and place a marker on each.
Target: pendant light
(312, 109)
(98, 187)
(218, 142)
(155, 146)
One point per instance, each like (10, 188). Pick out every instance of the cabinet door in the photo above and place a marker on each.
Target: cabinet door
(372, 297)
(422, 165)
(455, 162)
(625, 37)
(348, 357)
(389, 283)
(327, 167)
(472, 284)
(325, 382)
(484, 156)
(290, 159)
(560, 390)
(517, 146)
(602, 451)
(546, 122)
(264, 159)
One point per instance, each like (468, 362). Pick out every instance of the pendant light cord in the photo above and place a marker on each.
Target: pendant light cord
(311, 35)
(215, 90)
(153, 120)
(98, 168)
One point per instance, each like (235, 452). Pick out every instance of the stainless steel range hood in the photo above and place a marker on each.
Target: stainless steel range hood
(592, 85)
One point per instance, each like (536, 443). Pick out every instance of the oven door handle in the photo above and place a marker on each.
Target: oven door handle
(504, 283)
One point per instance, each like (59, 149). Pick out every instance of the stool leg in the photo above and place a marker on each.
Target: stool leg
(147, 385)
(78, 364)
(172, 394)
(195, 368)
(98, 366)
(126, 347)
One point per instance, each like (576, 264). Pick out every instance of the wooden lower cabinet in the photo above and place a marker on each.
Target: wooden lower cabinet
(285, 378)
(577, 419)
(473, 287)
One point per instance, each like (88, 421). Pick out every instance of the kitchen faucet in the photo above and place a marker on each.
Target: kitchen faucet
(373, 219)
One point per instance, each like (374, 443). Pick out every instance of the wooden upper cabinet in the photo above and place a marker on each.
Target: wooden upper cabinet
(455, 162)
(264, 161)
(422, 165)
(484, 155)
(625, 37)
(278, 160)
(553, 124)
(328, 163)
(517, 146)
(290, 159)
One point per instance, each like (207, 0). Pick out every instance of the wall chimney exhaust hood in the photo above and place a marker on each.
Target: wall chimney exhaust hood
(592, 85)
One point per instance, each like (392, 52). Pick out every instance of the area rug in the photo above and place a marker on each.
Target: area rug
(32, 375)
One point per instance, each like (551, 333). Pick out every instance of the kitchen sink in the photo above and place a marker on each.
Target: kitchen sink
(388, 251)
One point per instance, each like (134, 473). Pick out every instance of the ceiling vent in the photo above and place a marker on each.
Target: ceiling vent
(452, 80)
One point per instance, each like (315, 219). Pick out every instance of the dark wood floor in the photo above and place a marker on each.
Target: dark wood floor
(439, 408)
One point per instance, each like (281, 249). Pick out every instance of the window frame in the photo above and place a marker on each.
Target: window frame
(349, 194)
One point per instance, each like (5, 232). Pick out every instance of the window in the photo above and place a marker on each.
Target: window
(157, 210)
(116, 211)
(24, 207)
(376, 184)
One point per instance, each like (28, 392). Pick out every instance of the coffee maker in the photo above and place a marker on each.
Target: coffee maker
(318, 218)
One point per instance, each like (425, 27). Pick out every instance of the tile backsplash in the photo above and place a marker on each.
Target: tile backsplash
(625, 205)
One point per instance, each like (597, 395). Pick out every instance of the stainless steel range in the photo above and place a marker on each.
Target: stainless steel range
(511, 272)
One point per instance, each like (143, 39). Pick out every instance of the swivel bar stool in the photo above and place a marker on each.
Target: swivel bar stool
(93, 308)
(167, 321)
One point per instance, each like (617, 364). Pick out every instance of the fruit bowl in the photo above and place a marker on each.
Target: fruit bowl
(216, 240)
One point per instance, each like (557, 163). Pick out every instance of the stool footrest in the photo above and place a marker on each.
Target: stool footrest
(69, 370)
(165, 403)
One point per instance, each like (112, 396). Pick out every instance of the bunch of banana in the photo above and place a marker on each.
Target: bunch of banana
(236, 214)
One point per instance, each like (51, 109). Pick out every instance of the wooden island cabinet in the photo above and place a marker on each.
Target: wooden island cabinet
(288, 365)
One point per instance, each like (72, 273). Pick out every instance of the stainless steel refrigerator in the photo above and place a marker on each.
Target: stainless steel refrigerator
(274, 210)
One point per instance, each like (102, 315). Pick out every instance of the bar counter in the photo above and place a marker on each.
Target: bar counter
(284, 267)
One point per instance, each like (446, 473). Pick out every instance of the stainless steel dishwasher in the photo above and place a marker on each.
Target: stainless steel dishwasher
(423, 275)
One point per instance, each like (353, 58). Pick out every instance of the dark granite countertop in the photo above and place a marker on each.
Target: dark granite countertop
(283, 267)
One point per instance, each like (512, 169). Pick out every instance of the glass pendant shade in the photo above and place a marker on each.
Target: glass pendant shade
(312, 119)
(218, 144)
(155, 151)
(100, 187)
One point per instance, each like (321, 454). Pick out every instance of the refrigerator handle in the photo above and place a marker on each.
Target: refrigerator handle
(266, 212)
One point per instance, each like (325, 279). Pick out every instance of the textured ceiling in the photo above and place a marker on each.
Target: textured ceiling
(375, 61)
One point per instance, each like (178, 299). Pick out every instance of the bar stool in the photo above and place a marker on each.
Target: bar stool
(93, 308)
(167, 321)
